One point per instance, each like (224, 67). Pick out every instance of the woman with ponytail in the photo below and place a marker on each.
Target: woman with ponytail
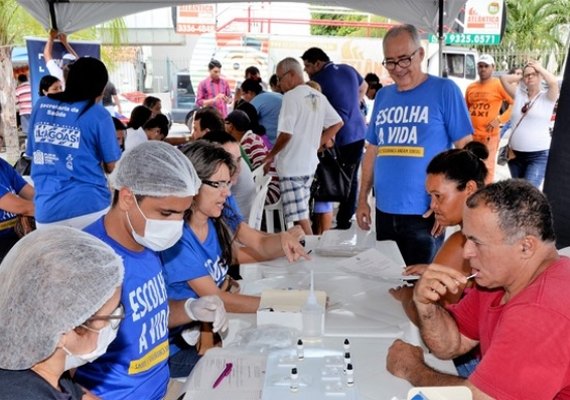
(452, 176)
(72, 145)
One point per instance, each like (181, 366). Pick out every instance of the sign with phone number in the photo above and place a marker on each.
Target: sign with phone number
(469, 39)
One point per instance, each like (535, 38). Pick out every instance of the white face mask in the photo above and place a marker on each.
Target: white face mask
(106, 336)
(158, 234)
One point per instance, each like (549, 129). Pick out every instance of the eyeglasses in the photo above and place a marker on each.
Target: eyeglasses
(531, 75)
(403, 62)
(218, 184)
(279, 78)
(114, 318)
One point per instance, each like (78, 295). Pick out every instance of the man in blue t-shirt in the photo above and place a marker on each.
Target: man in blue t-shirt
(154, 185)
(267, 104)
(412, 121)
(344, 88)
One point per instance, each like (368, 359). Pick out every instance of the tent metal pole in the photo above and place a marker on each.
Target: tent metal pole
(440, 37)
(52, 14)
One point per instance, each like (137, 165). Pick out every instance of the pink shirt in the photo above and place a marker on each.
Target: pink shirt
(209, 88)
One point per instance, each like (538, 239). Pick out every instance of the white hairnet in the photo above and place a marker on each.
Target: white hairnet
(51, 281)
(156, 169)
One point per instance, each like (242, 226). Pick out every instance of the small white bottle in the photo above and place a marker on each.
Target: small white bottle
(294, 385)
(300, 350)
(349, 375)
(312, 313)
(347, 361)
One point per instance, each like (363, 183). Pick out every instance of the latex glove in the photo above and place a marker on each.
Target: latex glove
(208, 309)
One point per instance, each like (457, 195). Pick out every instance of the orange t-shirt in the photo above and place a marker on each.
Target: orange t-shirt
(484, 101)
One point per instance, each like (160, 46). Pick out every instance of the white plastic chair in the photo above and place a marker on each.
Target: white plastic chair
(257, 206)
(270, 209)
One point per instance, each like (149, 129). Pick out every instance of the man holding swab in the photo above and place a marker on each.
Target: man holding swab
(519, 313)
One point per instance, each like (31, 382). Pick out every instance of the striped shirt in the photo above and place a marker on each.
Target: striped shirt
(24, 98)
(256, 150)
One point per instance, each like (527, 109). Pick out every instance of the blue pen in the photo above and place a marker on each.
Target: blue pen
(227, 370)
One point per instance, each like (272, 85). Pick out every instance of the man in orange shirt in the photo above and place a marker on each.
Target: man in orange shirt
(484, 100)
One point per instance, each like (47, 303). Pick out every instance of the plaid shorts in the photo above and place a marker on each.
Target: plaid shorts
(295, 194)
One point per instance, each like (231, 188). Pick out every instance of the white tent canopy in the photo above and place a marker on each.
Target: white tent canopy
(73, 15)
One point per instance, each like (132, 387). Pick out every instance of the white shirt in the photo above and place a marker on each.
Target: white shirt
(244, 190)
(55, 70)
(533, 133)
(134, 138)
(305, 113)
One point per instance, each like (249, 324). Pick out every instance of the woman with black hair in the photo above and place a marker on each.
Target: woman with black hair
(49, 84)
(452, 176)
(72, 145)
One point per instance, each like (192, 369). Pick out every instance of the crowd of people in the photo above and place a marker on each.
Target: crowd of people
(138, 235)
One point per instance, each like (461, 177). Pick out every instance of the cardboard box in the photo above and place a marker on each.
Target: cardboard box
(283, 307)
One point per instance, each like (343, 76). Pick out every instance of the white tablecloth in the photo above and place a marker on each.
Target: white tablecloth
(359, 309)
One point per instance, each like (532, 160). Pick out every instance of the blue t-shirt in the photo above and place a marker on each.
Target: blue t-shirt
(10, 182)
(67, 149)
(340, 84)
(410, 128)
(135, 364)
(191, 259)
(268, 106)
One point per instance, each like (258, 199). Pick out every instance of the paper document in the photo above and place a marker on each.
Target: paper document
(245, 381)
(373, 264)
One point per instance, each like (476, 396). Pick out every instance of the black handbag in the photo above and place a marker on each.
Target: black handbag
(331, 182)
(24, 165)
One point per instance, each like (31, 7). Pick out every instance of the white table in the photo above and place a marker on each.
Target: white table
(359, 309)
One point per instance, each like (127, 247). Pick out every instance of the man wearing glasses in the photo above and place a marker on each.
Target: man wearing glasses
(484, 100)
(412, 121)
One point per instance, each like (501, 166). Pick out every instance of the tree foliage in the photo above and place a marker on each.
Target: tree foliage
(330, 30)
(536, 29)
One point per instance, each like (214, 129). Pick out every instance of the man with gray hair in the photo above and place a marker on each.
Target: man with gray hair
(518, 313)
(413, 120)
(307, 122)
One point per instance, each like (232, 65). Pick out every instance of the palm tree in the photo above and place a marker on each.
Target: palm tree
(535, 28)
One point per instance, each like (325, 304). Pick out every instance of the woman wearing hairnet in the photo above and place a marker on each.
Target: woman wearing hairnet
(154, 185)
(72, 145)
(59, 307)
(198, 264)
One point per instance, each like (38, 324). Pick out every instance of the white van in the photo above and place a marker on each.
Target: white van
(459, 64)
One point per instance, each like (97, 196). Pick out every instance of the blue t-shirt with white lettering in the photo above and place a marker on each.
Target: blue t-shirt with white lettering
(10, 182)
(191, 259)
(135, 364)
(67, 148)
(340, 84)
(410, 128)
